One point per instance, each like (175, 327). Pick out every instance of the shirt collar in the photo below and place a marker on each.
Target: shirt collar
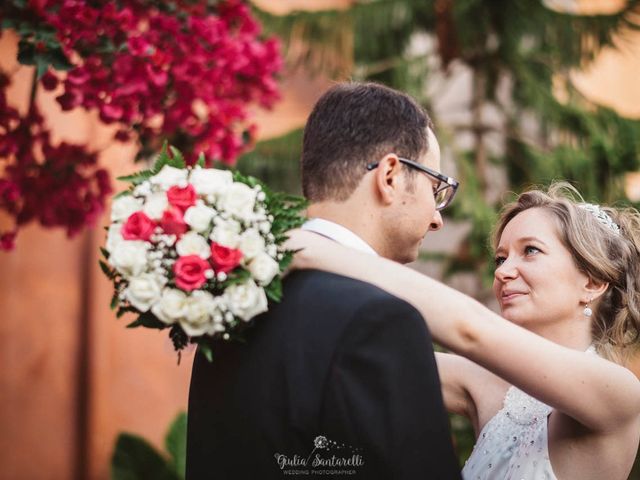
(340, 234)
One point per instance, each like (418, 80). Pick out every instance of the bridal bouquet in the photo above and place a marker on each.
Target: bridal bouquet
(197, 250)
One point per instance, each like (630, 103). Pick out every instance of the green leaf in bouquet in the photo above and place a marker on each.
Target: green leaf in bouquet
(136, 459)
(287, 258)
(274, 290)
(104, 252)
(114, 301)
(111, 274)
(176, 444)
(148, 320)
(137, 178)
(123, 193)
(202, 161)
(237, 276)
(177, 159)
(179, 338)
(163, 158)
(168, 156)
(123, 310)
(205, 349)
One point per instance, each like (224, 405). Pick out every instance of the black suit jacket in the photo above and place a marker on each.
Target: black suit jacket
(339, 359)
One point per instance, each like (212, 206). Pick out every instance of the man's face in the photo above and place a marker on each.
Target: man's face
(415, 212)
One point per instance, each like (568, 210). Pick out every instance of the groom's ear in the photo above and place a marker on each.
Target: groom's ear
(387, 178)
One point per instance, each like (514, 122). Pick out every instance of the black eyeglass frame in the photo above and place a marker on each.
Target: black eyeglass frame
(449, 182)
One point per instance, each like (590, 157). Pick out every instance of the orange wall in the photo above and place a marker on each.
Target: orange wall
(61, 407)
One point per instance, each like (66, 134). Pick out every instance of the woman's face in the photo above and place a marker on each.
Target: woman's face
(536, 279)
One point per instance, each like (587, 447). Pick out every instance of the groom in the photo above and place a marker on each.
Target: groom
(339, 379)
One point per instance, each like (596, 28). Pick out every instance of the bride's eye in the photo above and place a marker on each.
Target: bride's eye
(499, 261)
(531, 250)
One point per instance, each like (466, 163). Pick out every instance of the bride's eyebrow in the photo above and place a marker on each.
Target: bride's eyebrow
(531, 239)
(501, 248)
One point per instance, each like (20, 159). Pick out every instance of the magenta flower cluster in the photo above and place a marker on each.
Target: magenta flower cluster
(178, 70)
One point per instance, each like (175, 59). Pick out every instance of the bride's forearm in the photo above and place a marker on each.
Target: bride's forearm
(468, 328)
(449, 327)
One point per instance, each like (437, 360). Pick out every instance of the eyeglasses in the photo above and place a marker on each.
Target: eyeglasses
(446, 188)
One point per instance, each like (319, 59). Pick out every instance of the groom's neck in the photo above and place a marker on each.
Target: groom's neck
(361, 221)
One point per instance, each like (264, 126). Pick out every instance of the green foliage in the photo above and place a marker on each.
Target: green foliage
(517, 51)
(275, 162)
(176, 444)
(464, 436)
(205, 348)
(146, 319)
(136, 459)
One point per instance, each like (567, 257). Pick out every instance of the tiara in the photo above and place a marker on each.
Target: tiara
(602, 216)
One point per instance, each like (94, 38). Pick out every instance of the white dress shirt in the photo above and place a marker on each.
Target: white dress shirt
(338, 233)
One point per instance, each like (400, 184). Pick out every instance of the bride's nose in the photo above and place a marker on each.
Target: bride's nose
(507, 270)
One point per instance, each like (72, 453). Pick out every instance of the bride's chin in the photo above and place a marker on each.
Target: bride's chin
(513, 317)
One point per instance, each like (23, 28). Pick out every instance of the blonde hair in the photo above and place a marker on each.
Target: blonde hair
(602, 254)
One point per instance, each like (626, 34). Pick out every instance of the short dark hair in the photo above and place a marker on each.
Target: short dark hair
(354, 124)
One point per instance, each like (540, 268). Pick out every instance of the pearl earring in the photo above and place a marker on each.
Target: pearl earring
(587, 312)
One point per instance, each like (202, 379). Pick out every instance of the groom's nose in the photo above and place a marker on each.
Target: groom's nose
(437, 222)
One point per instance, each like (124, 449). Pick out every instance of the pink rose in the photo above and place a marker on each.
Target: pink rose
(190, 272)
(138, 227)
(224, 259)
(172, 222)
(182, 198)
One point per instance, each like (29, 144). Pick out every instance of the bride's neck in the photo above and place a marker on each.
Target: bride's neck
(575, 334)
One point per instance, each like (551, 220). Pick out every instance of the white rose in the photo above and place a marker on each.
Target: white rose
(114, 236)
(238, 200)
(171, 307)
(142, 189)
(226, 233)
(246, 300)
(123, 207)
(199, 217)
(265, 227)
(144, 290)
(210, 181)
(263, 268)
(155, 205)
(251, 243)
(169, 176)
(129, 257)
(199, 309)
(192, 243)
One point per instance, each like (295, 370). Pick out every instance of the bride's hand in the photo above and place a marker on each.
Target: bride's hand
(308, 247)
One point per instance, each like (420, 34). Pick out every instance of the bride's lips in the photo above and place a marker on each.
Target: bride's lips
(509, 295)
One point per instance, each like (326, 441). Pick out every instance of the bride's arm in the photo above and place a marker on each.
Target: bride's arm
(597, 393)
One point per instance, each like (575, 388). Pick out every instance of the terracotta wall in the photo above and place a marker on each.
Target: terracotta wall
(74, 376)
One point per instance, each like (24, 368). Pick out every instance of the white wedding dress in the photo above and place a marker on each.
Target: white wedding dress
(513, 445)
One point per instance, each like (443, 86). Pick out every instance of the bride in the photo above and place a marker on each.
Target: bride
(545, 384)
